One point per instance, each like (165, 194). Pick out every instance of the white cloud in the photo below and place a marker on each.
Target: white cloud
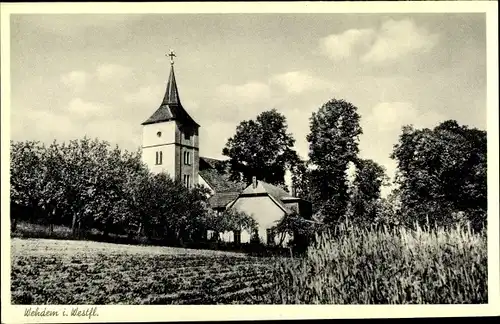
(399, 38)
(250, 92)
(109, 71)
(391, 116)
(394, 39)
(69, 25)
(82, 108)
(78, 79)
(214, 135)
(343, 45)
(147, 95)
(51, 122)
(75, 80)
(297, 82)
(382, 127)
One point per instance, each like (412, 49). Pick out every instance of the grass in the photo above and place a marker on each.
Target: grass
(382, 267)
(357, 267)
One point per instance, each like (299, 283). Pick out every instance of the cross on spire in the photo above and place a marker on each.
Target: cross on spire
(172, 55)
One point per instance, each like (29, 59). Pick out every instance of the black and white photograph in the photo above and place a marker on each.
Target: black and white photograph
(247, 158)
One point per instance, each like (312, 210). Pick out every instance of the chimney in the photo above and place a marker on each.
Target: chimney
(294, 191)
(254, 182)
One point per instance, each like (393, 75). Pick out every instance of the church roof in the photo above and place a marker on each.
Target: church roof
(171, 107)
(222, 199)
(220, 182)
(210, 162)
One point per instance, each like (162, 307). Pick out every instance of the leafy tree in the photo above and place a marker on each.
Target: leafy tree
(333, 143)
(52, 200)
(90, 174)
(301, 179)
(301, 229)
(262, 148)
(230, 220)
(365, 197)
(87, 184)
(389, 211)
(25, 176)
(442, 171)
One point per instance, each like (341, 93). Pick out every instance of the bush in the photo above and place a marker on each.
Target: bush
(387, 267)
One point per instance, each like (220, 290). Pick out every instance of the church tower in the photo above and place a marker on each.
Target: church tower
(170, 137)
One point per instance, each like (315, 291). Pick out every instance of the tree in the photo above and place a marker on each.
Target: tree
(366, 188)
(442, 171)
(262, 148)
(230, 220)
(333, 143)
(87, 184)
(301, 179)
(25, 177)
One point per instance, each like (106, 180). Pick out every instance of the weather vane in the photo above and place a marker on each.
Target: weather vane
(172, 55)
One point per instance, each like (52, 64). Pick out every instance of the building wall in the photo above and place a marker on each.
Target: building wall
(168, 151)
(150, 137)
(169, 138)
(187, 139)
(164, 142)
(265, 212)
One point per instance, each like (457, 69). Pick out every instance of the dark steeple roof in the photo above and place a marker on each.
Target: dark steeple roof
(172, 94)
(171, 107)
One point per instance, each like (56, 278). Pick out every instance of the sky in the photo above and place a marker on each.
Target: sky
(103, 75)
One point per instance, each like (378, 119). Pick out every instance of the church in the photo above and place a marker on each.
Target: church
(170, 144)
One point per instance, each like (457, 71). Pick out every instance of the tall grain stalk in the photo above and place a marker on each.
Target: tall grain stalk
(366, 266)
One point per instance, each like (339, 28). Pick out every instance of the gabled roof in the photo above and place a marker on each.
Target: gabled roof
(171, 107)
(222, 199)
(220, 181)
(277, 194)
(210, 162)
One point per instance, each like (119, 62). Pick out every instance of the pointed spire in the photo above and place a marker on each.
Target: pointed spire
(171, 107)
(171, 94)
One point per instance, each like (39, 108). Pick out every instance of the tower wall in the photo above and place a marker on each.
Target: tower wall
(165, 143)
(187, 142)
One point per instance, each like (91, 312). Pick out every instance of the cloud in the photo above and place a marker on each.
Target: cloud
(106, 72)
(146, 95)
(382, 127)
(390, 116)
(75, 80)
(71, 24)
(78, 80)
(81, 108)
(214, 136)
(247, 93)
(392, 40)
(343, 45)
(297, 82)
(399, 38)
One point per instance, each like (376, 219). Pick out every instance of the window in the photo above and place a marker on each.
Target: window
(187, 136)
(187, 158)
(270, 236)
(187, 180)
(159, 157)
